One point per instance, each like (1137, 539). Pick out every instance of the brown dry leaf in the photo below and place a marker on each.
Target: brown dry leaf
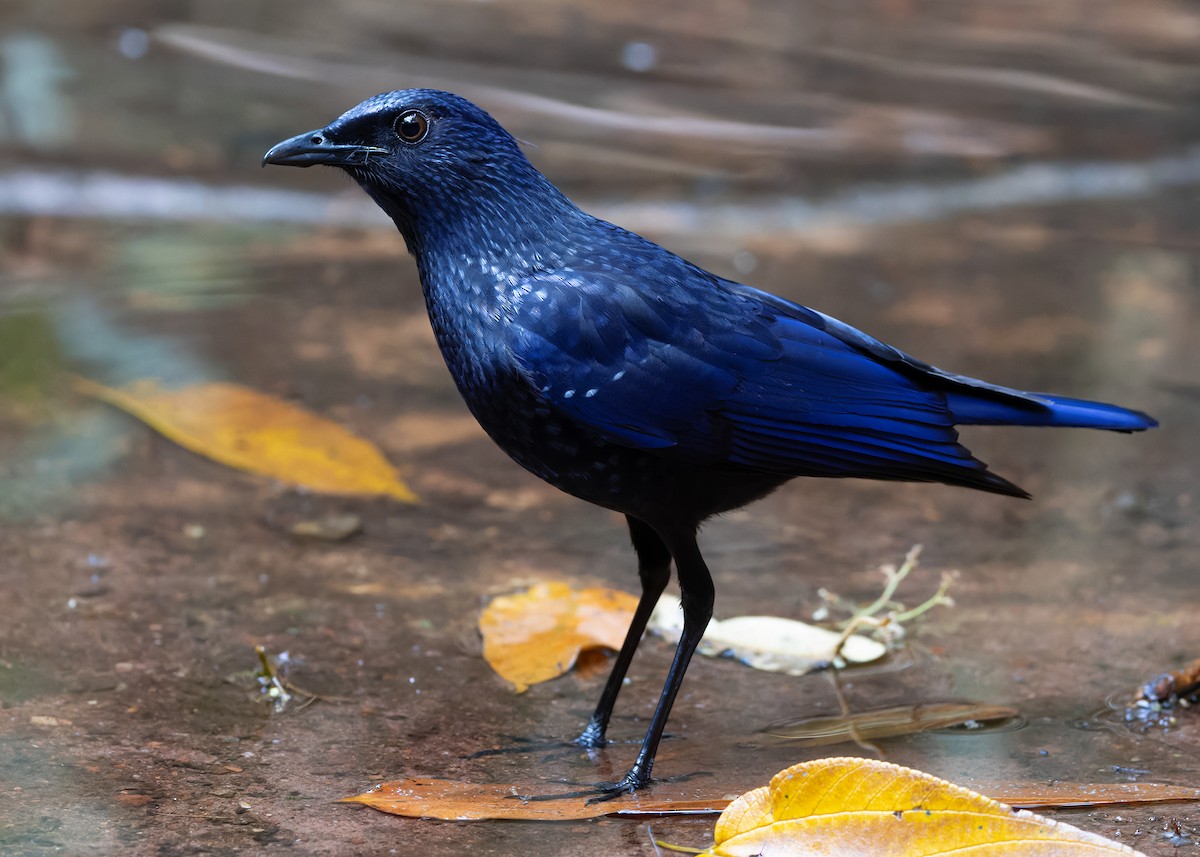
(1049, 795)
(448, 800)
(255, 432)
(457, 801)
(536, 635)
(863, 807)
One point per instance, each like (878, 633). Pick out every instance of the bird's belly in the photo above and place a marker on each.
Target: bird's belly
(555, 448)
(649, 484)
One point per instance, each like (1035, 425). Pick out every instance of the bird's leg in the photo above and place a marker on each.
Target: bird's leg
(654, 568)
(696, 586)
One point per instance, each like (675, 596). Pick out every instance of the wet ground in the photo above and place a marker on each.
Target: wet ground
(1009, 193)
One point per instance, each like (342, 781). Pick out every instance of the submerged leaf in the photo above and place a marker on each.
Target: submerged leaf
(862, 807)
(537, 635)
(769, 643)
(252, 431)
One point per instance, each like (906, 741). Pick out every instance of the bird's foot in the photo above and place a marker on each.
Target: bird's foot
(632, 782)
(600, 792)
(592, 737)
(627, 785)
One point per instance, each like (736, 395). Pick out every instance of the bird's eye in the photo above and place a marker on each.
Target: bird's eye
(412, 126)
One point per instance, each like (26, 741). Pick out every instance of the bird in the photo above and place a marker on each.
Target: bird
(630, 378)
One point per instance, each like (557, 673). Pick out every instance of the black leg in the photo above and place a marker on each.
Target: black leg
(696, 586)
(654, 568)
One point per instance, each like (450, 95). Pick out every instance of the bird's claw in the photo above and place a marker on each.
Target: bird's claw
(591, 738)
(610, 791)
(600, 792)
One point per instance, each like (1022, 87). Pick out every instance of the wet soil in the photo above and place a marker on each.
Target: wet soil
(137, 578)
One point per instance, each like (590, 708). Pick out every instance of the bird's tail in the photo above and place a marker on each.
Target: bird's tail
(975, 407)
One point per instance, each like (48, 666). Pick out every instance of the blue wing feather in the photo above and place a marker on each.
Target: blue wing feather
(720, 373)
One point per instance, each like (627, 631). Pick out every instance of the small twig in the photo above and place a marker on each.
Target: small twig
(938, 598)
(850, 722)
(653, 841)
(281, 690)
(884, 616)
(895, 576)
(268, 679)
(313, 697)
(682, 849)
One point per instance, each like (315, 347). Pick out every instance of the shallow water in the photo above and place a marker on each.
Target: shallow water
(1009, 193)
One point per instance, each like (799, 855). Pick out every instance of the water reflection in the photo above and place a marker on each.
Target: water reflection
(102, 194)
(34, 108)
(107, 195)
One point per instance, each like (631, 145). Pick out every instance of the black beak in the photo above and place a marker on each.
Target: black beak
(315, 147)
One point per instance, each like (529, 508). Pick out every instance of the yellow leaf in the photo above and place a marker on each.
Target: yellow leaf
(536, 635)
(866, 808)
(252, 431)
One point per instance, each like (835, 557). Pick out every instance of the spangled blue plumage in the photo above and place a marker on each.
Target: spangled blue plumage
(629, 377)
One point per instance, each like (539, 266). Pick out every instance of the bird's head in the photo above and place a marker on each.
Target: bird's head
(426, 157)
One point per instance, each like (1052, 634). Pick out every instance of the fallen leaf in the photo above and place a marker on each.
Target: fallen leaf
(455, 801)
(1052, 795)
(255, 432)
(592, 663)
(769, 643)
(863, 807)
(449, 800)
(886, 722)
(536, 635)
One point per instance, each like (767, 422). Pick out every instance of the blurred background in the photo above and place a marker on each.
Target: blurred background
(1006, 189)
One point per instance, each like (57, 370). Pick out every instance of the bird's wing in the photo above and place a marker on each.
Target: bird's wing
(970, 400)
(881, 351)
(718, 376)
(635, 369)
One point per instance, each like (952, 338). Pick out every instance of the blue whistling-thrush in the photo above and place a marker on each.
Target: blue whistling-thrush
(629, 377)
